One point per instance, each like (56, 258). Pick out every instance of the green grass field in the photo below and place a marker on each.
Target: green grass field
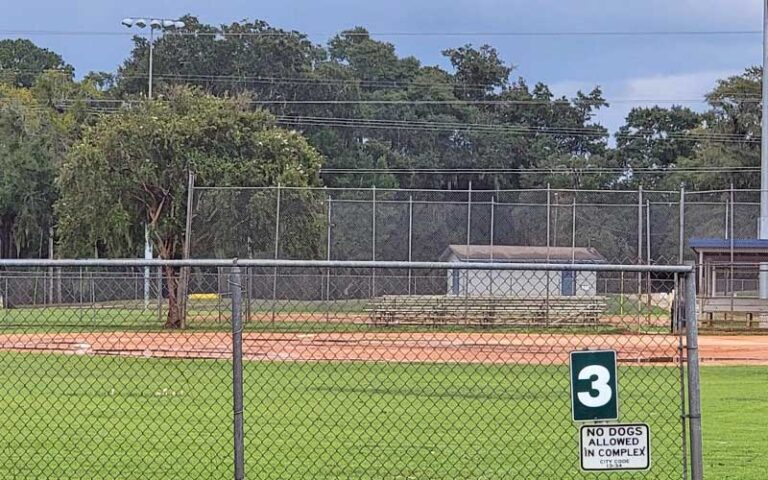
(735, 422)
(294, 316)
(107, 417)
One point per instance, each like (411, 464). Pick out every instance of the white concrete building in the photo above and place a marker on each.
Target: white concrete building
(523, 284)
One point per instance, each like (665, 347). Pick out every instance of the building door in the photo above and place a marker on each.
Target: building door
(568, 283)
(455, 282)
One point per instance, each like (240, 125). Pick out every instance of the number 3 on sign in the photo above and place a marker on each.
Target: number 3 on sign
(599, 376)
(594, 393)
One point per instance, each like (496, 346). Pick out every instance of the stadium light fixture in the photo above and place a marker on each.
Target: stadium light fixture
(154, 24)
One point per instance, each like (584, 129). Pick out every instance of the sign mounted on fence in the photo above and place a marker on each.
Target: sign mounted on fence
(615, 447)
(594, 389)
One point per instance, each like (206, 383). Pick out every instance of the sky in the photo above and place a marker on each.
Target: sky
(627, 68)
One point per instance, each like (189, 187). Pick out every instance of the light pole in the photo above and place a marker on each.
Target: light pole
(154, 24)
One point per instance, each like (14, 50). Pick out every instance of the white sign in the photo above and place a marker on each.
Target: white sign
(615, 447)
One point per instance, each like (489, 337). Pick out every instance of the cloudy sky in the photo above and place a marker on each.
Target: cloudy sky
(628, 68)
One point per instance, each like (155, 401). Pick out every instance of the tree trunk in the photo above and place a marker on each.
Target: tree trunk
(174, 319)
(6, 227)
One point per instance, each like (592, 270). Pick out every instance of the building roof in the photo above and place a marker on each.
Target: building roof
(522, 254)
(721, 244)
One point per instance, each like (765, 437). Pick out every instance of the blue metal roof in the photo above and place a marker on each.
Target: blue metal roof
(725, 243)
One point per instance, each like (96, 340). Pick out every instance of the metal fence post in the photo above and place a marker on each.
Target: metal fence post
(549, 241)
(678, 328)
(50, 270)
(648, 231)
(554, 221)
(491, 234)
(573, 230)
(731, 291)
(81, 293)
(469, 241)
(469, 220)
(694, 394)
(221, 287)
(727, 227)
(328, 258)
(159, 283)
(328, 252)
(549, 216)
(648, 291)
(147, 270)
(237, 373)
(681, 238)
(248, 294)
(276, 253)
(186, 271)
(639, 249)
(410, 240)
(373, 241)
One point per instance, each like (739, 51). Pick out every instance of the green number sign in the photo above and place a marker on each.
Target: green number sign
(594, 393)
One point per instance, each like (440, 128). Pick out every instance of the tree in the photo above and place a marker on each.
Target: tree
(656, 139)
(729, 137)
(371, 60)
(131, 168)
(562, 138)
(362, 105)
(71, 105)
(22, 62)
(478, 72)
(27, 172)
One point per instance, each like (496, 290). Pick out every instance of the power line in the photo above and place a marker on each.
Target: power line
(540, 170)
(383, 84)
(571, 33)
(270, 80)
(351, 81)
(592, 132)
(552, 102)
(437, 124)
(219, 33)
(435, 127)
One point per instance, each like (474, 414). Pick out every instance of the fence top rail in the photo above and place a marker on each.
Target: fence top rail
(436, 190)
(474, 265)
(633, 192)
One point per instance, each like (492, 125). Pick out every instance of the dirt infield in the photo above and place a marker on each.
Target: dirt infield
(391, 347)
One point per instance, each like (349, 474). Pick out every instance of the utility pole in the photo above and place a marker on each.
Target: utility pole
(151, 60)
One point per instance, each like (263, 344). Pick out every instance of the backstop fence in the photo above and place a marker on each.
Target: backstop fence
(637, 227)
(300, 369)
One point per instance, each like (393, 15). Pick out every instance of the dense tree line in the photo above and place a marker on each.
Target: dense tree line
(405, 115)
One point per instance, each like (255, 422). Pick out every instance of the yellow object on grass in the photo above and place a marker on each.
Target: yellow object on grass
(203, 296)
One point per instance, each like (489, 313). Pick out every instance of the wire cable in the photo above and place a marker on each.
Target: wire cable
(219, 33)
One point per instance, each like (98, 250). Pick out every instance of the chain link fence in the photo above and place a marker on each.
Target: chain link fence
(301, 369)
(626, 227)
